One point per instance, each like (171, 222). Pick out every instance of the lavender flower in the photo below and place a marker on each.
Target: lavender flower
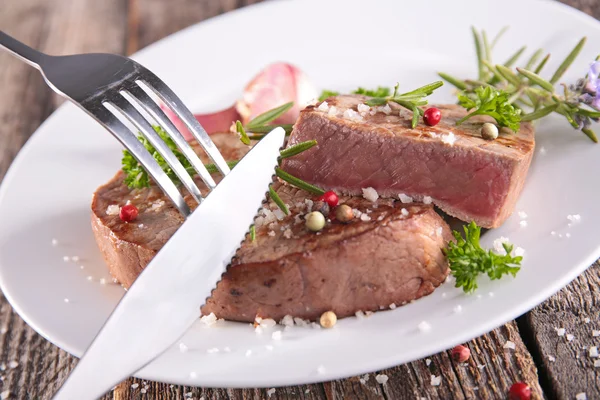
(593, 85)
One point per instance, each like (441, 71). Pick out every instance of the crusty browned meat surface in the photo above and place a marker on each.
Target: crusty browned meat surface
(388, 256)
(469, 178)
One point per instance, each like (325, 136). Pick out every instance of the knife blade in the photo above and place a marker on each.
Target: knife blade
(165, 299)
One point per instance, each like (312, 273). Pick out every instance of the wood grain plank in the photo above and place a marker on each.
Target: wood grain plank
(566, 364)
(30, 366)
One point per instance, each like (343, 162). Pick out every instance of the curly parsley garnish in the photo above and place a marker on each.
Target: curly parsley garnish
(493, 102)
(468, 260)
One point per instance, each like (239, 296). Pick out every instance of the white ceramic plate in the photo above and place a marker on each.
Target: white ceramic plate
(340, 44)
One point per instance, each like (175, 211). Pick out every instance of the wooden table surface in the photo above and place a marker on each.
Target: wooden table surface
(33, 368)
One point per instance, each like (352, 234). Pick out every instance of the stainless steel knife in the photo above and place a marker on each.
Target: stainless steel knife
(165, 299)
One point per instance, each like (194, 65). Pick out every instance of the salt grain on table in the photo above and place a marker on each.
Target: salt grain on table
(427, 361)
(595, 333)
(436, 380)
(560, 331)
(509, 345)
(551, 358)
(593, 352)
(135, 385)
(5, 395)
(570, 337)
(270, 392)
(581, 396)
(381, 379)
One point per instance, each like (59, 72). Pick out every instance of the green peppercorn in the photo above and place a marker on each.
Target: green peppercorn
(315, 221)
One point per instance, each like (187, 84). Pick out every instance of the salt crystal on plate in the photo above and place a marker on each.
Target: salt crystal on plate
(321, 369)
(457, 309)
(509, 345)
(248, 353)
(89, 278)
(568, 234)
(370, 194)
(560, 331)
(54, 242)
(66, 300)
(66, 258)
(287, 320)
(381, 379)
(209, 320)
(522, 214)
(404, 198)
(570, 337)
(498, 244)
(593, 352)
(519, 251)
(523, 224)
(269, 347)
(542, 150)
(436, 380)
(193, 375)
(268, 323)
(103, 281)
(276, 335)
(392, 306)
(424, 326)
(212, 350)
(182, 347)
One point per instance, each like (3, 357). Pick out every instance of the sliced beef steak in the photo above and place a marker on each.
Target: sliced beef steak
(385, 256)
(466, 176)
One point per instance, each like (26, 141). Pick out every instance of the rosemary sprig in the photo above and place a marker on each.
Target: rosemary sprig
(277, 200)
(528, 91)
(297, 149)
(410, 100)
(299, 183)
(260, 125)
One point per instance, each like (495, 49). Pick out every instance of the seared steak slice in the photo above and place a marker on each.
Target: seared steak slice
(466, 176)
(387, 256)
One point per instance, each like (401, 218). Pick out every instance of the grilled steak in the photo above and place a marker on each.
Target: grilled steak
(390, 254)
(466, 176)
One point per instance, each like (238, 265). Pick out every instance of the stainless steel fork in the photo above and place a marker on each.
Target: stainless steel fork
(116, 91)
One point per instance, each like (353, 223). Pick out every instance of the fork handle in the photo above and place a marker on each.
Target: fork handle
(21, 50)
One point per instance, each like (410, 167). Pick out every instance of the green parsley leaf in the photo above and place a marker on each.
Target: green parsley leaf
(325, 94)
(493, 102)
(468, 259)
(381, 91)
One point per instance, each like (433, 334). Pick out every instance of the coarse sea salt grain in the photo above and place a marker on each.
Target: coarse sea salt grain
(13, 364)
(287, 320)
(574, 218)
(522, 214)
(288, 233)
(593, 351)
(370, 194)
(436, 380)
(359, 314)
(268, 323)
(498, 244)
(333, 111)
(269, 347)
(595, 333)
(449, 139)
(66, 258)
(113, 209)
(381, 379)
(424, 326)
(404, 198)
(597, 364)
(5, 394)
(542, 150)
(519, 251)
(523, 224)
(560, 331)
(581, 396)
(427, 361)
(209, 320)
(66, 300)
(404, 212)
(457, 309)
(586, 320)
(363, 108)
(248, 353)
(551, 358)
(321, 369)
(386, 109)
(509, 345)
(271, 233)
(352, 115)
(323, 107)
(276, 335)
(270, 392)
(427, 200)
(392, 306)
(193, 375)
(365, 218)
(183, 348)
(212, 350)
(135, 385)
(570, 337)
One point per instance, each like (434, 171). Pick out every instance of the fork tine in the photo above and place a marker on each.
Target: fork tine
(159, 88)
(141, 98)
(137, 149)
(126, 109)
